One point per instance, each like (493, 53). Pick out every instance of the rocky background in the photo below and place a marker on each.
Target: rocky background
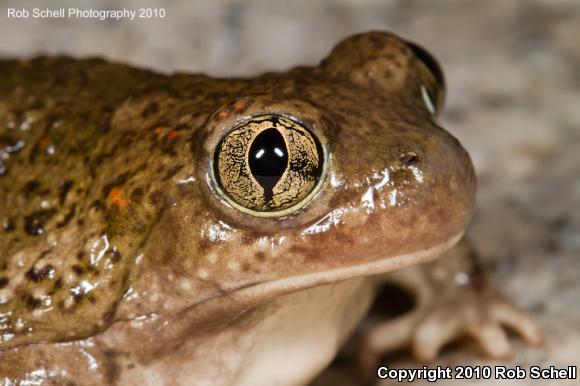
(513, 73)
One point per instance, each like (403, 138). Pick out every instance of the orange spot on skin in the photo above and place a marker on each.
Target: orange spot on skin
(172, 134)
(43, 144)
(158, 130)
(115, 197)
(239, 106)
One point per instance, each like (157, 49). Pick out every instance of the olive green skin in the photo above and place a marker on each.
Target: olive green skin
(109, 211)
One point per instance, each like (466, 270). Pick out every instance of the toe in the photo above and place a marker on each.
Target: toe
(432, 334)
(492, 339)
(520, 322)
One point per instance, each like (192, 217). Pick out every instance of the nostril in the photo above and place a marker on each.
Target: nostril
(409, 158)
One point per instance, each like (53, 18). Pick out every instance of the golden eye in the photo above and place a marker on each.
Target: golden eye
(268, 166)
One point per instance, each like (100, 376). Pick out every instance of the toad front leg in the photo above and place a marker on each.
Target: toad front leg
(453, 299)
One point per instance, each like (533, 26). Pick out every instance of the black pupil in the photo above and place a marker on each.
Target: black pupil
(268, 159)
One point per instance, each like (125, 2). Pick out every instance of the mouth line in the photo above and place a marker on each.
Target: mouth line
(234, 304)
(251, 293)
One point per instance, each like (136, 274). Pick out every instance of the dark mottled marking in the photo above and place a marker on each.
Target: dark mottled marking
(99, 159)
(63, 188)
(78, 296)
(127, 139)
(378, 42)
(142, 167)
(111, 368)
(98, 205)
(34, 223)
(172, 171)
(38, 275)
(260, 256)
(120, 180)
(169, 150)
(80, 255)
(31, 302)
(57, 284)
(115, 256)
(156, 197)
(8, 224)
(137, 194)
(181, 126)
(77, 269)
(105, 121)
(185, 189)
(43, 254)
(3, 282)
(30, 188)
(69, 216)
(151, 108)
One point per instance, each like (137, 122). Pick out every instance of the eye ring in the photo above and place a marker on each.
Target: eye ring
(268, 165)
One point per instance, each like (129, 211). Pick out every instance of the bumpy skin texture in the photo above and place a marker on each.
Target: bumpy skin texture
(113, 237)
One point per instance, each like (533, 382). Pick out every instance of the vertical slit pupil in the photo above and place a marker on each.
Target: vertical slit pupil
(268, 158)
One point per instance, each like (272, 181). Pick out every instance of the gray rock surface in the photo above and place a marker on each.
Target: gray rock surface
(513, 72)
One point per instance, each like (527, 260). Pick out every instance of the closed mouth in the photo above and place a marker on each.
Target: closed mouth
(279, 287)
(238, 301)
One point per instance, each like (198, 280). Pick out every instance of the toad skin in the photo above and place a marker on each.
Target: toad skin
(127, 259)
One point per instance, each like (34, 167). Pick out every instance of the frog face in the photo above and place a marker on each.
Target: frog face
(382, 170)
(185, 192)
(325, 173)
